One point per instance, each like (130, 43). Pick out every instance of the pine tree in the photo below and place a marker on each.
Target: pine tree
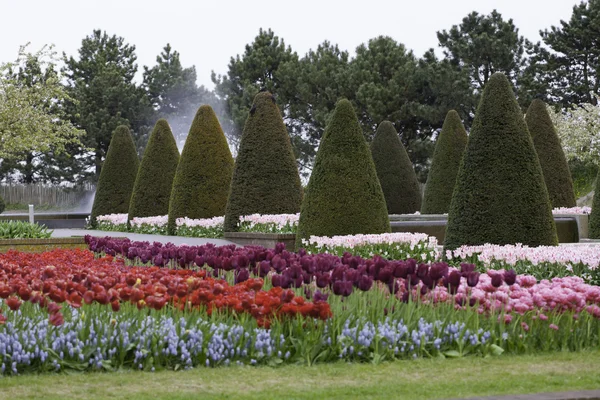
(343, 196)
(117, 176)
(551, 155)
(395, 171)
(265, 178)
(500, 195)
(448, 153)
(203, 176)
(152, 189)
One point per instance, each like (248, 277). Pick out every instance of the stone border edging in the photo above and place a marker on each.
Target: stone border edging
(574, 395)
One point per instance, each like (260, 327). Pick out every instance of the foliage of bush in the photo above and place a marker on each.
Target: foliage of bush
(441, 180)
(265, 178)
(595, 215)
(201, 183)
(117, 176)
(23, 230)
(500, 195)
(152, 189)
(395, 171)
(343, 196)
(551, 155)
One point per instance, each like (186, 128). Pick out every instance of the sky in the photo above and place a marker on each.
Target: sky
(208, 33)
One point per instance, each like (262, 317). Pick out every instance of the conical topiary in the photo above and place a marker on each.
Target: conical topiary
(117, 176)
(343, 196)
(595, 216)
(265, 178)
(203, 176)
(449, 150)
(152, 189)
(395, 171)
(551, 155)
(500, 195)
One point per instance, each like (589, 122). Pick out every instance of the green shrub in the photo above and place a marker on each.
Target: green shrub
(595, 216)
(343, 196)
(500, 195)
(265, 178)
(23, 230)
(117, 176)
(551, 155)
(2, 205)
(395, 171)
(152, 189)
(203, 176)
(449, 149)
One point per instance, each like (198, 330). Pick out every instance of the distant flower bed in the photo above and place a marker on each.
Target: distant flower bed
(572, 210)
(391, 246)
(269, 223)
(206, 227)
(545, 262)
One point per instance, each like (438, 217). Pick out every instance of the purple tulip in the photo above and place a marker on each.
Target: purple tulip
(264, 268)
(473, 278)
(320, 297)
(465, 269)
(365, 283)
(242, 275)
(454, 279)
(342, 288)
(496, 280)
(510, 277)
(323, 279)
(422, 270)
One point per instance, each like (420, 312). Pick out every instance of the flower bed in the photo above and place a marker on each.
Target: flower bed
(392, 246)
(545, 262)
(206, 227)
(70, 310)
(269, 223)
(572, 210)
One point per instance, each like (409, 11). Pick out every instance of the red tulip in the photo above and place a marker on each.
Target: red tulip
(57, 319)
(13, 303)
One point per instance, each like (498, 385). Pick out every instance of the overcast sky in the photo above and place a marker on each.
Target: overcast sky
(208, 33)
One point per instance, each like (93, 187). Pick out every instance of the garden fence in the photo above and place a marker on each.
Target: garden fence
(39, 194)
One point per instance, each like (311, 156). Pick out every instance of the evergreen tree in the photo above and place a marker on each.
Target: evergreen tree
(117, 178)
(102, 82)
(203, 176)
(500, 195)
(595, 216)
(448, 153)
(343, 196)
(152, 189)
(265, 178)
(551, 155)
(395, 171)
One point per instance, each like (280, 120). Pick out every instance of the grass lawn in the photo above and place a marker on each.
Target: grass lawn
(420, 379)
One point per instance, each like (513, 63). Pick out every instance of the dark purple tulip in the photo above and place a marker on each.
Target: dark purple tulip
(411, 280)
(301, 252)
(132, 253)
(319, 296)
(460, 301)
(297, 282)
(365, 283)
(422, 270)
(190, 256)
(472, 301)
(401, 270)
(242, 275)
(158, 260)
(323, 279)
(306, 277)
(339, 272)
(465, 269)
(342, 288)
(454, 279)
(278, 263)
(281, 281)
(354, 262)
(145, 256)
(510, 277)
(308, 264)
(386, 274)
(227, 264)
(412, 265)
(473, 278)
(264, 268)
(405, 297)
(352, 275)
(393, 286)
(307, 292)
(199, 261)
(424, 290)
(496, 280)
(279, 248)
(427, 281)
(438, 271)
(182, 263)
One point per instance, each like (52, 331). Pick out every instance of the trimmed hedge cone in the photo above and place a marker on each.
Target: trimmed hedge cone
(595, 216)
(448, 153)
(343, 196)
(117, 176)
(152, 189)
(395, 171)
(265, 178)
(203, 175)
(500, 195)
(551, 155)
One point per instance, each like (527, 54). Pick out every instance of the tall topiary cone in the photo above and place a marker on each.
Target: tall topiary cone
(117, 176)
(203, 176)
(449, 150)
(500, 195)
(265, 178)
(343, 196)
(152, 189)
(551, 155)
(395, 171)
(595, 216)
